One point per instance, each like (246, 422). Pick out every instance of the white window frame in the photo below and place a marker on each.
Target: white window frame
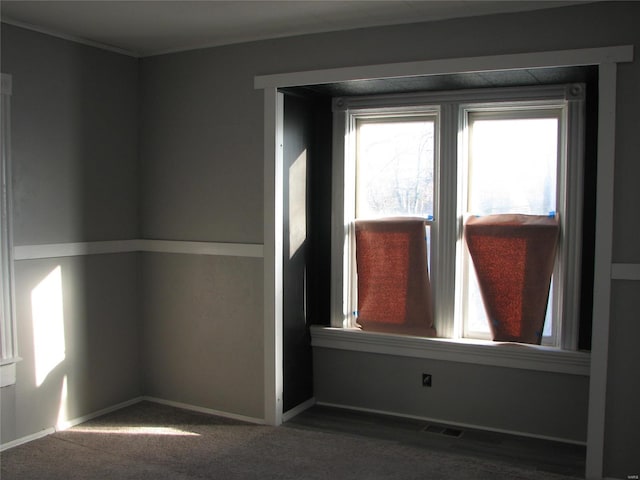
(9, 344)
(451, 109)
(348, 157)
(521, 110)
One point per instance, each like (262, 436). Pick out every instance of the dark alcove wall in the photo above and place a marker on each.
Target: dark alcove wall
(307, 229)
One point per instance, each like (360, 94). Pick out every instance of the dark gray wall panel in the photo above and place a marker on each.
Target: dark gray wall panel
(296, 340)
(306, 237)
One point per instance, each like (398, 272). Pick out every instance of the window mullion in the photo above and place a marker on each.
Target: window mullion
(445, 229)
(340, 251)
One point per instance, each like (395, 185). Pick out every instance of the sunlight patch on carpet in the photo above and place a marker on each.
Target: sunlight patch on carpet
(128, 430)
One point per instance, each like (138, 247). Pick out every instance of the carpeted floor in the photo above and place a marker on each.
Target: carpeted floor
(151, 441)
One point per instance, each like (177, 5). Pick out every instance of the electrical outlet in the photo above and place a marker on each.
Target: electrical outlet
(426, 379)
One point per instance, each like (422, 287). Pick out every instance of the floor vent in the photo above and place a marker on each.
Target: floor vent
(447, 431)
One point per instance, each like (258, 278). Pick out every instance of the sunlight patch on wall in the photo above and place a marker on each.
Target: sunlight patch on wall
(48, 324)
(63, 411)
(128, 430)
(297, 203)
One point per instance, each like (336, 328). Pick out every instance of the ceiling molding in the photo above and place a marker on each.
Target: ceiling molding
(71, 38)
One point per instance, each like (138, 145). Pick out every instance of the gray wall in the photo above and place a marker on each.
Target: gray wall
(538, 403)
(202, 176)
(101, 341)
(201, 150)
(74, 135)
(202, 331)
(74, 139)
(622, 425)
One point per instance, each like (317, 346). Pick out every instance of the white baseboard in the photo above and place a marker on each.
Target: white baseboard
(455, 424)
(63, 425)
(26, 439)
(60, 426)
(297, 410)
(210, 411)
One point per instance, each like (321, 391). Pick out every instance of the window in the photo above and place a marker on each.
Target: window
(449, 156)
(8, 345)
(512, 160)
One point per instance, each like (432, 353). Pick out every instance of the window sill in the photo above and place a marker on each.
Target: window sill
(8, 372)
(528, 357)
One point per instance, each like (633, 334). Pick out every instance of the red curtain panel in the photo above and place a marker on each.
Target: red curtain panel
(513, 256)
(394, 292)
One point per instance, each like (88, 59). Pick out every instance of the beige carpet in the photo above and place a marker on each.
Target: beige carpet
(151, 441)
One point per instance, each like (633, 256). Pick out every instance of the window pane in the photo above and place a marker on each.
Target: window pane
(395, 160)
(512, 165)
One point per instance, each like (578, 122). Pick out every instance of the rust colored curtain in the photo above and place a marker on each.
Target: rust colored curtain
(513, 256)
(394, 293)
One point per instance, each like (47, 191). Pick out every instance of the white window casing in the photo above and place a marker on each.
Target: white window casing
(607, 60)
(8, 344)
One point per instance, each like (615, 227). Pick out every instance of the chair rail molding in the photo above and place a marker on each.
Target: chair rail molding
(74, 249)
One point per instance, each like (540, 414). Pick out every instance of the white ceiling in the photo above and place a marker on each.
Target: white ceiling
(143, 28)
